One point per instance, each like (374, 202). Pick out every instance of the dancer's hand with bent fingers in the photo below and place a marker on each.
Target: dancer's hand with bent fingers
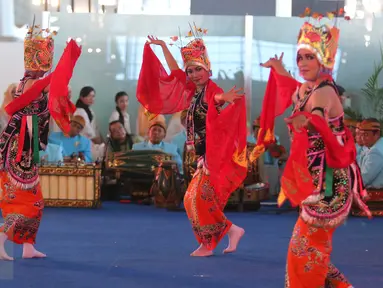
(274, 62)
(154, 40)
(298, 122)
(232, 95)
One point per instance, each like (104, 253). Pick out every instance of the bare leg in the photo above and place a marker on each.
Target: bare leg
(30, 252)
(3, 254)
(235, 234)
(202, 251)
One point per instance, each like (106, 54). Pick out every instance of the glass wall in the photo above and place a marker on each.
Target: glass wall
(113, 46)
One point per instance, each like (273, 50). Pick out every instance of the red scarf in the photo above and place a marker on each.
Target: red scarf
(60, 107)
(161, 93)
(278, 97)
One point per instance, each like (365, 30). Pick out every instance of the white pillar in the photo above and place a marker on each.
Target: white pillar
(283, 8)
(7, 18)
(248, 65)
(45, 19)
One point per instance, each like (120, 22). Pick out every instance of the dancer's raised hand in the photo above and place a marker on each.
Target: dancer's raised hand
(154, 40)
(232, 95)
(274, 62)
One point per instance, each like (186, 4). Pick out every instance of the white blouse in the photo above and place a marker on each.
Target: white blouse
(115, 117)
(90, 130)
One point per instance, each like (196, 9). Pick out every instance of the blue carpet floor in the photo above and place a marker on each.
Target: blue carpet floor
(124, 245)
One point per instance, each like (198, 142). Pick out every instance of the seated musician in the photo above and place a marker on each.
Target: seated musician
(360, 148)
(371, 165)
(120, 140)
(74, 145)
(268, 159)
(180, 138)
(157, 133)
(351, 125)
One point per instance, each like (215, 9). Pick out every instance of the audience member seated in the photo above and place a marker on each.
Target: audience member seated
(180, 138)
(90, 131)
(157, 133)
(74, 145)
(144, 120)
(53, 153)
(121, 112)
(351, 125)
(371, 165)
(120, 140)
(360, 148)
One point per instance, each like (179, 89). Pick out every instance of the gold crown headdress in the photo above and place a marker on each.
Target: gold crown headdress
(195, 52)
(321, 40)
(38, 48)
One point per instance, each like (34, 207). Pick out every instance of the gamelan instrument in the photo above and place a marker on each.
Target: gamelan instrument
(70, 184)
(136, 161)
(167, 188)
(374, 202)
(147, 173)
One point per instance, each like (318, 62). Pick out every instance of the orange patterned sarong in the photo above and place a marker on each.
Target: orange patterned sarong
(22, 211)
(205, 212)
(308, 259)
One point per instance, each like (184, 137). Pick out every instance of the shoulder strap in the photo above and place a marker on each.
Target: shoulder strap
(328, 83)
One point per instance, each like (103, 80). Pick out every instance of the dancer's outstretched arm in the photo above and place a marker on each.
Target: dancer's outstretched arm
(172, 63)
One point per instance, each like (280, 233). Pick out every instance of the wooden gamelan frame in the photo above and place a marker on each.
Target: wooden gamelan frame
(72, 185)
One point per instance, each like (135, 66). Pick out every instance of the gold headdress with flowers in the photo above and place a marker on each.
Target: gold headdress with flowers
(321, 40)
(195, 52)
(38, 49)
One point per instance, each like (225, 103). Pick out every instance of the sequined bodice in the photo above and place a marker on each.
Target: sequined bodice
(332, 186)
(25, 172)
(316, 142)
(199, 115)
(336, 124)
(36, 106)
(196, 122)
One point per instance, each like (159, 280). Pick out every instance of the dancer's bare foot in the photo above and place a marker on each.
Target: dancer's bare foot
(30, 252)
(235, 234)
(3, 253)
(202, 251)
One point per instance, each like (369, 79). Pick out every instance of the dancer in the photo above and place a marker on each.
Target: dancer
(216, 134)
(21, 200)
(320, 174)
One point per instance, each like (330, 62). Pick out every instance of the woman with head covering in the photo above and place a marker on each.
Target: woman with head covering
(320, 175)
(215, 134)
(121, 113)
(21, 200)
(91, 130)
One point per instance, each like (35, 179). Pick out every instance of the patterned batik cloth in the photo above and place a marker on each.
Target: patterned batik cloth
(21, 210)
(205, 211)
(308, 259)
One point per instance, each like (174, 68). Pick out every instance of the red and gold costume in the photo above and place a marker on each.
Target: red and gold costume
(217, 135)
(321, 175)
(26, 134)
